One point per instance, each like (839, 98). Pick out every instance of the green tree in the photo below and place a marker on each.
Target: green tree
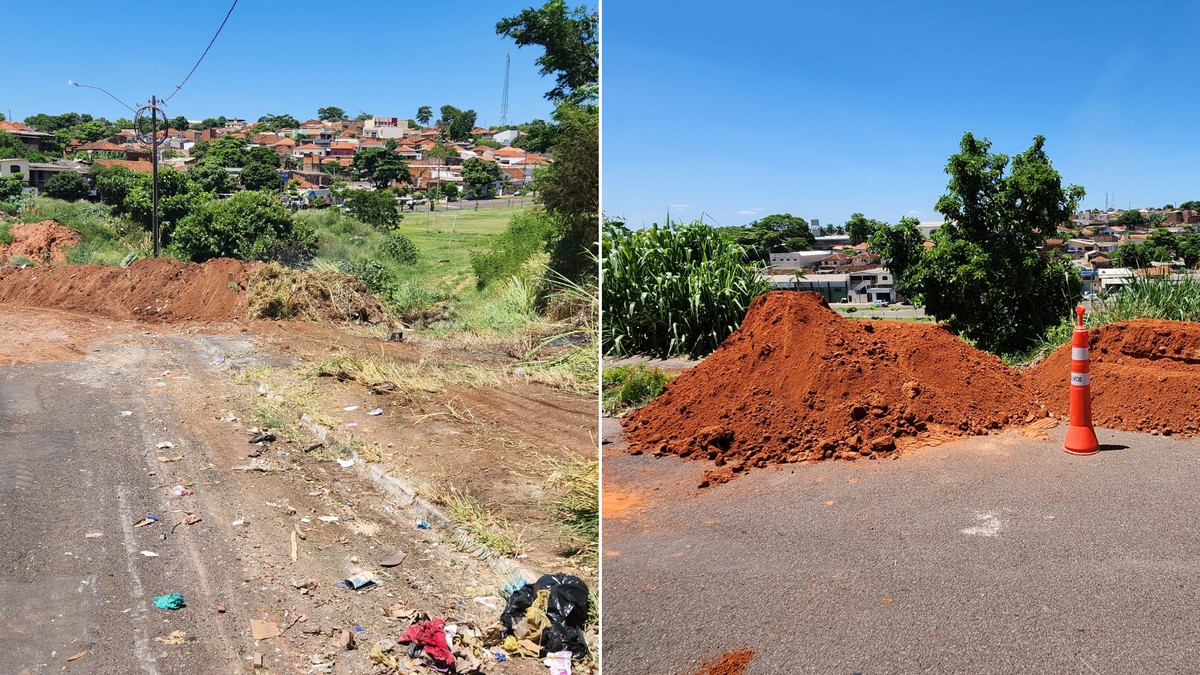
(210, 176)
(478, 176)
(374, 207)
(247, 226)
(900, 247)
(571, 41)
(380, 166)
(363, 116)
(1131, 254)
(985, 276)
(113, 184)
(455, 124)
(260, 176)
(277, 122)
(1188, 249)
(67, 185)
(860, 228)
(179, 123)
(537, 136)
(1161, 245)
(11, 186)
(424, 114)
(1190, 205)
(1130, 218)
(331, 114)
(229, 151)
(449, 191)
(775, 233)
(11, 147)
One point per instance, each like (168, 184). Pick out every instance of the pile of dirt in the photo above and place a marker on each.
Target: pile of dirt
(797, 382)
(1145, 377)
(40, 242)
(322, 293)
(155, 290)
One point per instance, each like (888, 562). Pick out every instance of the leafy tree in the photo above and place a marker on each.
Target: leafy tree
(67, 185)
(1161, 245)
(537, 136)
(179, 123)
(985, 276)
(332, 167)
(211, 123)
(11, 186)
(123, 123)
(424, 114)
(1130, 218)
(210, 176)
(571, 41)
(262, 155)
(380, 166)
(260, 176)
(331, 114)
(11, 147)
(1188, 249)
(775, 233)
(113, 184)
(900, 247)
(277, 122)
(860, 228)
(228, 150)
(1131, 254)
(449, 191)
(488, 143)
(1190, 206)
(363, 116)
(375, 207)
(399, 248)
(247, 226)
(478, 176)
(455, 124)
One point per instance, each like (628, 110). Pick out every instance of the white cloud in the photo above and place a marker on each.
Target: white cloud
(679, 207)
(914, 212)
(750, 212)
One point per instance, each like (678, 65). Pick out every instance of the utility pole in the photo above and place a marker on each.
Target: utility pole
(154, 172)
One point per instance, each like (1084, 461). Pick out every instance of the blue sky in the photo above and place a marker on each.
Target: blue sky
(385, 58)
(825, 109)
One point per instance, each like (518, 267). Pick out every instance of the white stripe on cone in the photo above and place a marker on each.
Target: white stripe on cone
(1079, 353)
(1080, 379)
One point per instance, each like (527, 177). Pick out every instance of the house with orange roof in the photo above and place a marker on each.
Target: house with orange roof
(141, 166)
(31, 139)
(308, 150)
(110, 149)
(339, 149)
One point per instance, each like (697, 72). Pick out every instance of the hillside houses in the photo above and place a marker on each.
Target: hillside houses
(313, 147)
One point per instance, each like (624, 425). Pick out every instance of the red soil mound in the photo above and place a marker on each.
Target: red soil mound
(149, 290)
(1145, 377)
(797, 382)
(41, 242)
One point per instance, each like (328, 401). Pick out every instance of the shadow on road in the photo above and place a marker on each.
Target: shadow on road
(1104, 447)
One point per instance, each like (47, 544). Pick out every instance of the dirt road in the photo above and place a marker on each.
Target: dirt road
(85, 403)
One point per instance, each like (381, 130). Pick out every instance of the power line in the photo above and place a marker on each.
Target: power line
(210, 44)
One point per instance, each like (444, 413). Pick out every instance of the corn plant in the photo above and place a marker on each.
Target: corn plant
(1177, 299)
(679, 289)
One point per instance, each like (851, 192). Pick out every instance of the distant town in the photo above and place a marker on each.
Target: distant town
(1109, 248)
(447, 160)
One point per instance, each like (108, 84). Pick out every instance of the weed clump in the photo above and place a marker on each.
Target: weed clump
(629, 387)
(321, 293)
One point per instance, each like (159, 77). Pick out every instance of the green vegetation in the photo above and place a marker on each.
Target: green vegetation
(578, 505)
(527, 234)
(67, 186)
(775, 233)
(247, 226)
(105, 238)
(1150, 298)
(628, 387)
(679, 289)
(985, 276)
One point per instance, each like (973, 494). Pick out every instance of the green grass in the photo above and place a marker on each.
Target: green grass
(1150, 298)
(577, 505)
(477, 521)
(629, 387)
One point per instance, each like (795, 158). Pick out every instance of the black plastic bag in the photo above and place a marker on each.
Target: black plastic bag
(567, 610)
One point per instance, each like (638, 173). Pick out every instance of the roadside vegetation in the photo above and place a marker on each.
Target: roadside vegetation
(628, 387)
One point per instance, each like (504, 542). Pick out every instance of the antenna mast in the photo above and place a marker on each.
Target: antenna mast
(504, 96)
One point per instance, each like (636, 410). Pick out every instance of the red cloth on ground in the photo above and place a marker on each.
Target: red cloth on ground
(432, 638)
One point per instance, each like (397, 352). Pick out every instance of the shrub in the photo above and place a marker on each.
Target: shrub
(629, 387)
(399, 248)
(66, 185)
(247, 226)
(679, 289)
(377, 277)
(374, 207)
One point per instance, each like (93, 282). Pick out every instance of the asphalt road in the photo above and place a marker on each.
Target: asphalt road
(73, 465)
(987, 555)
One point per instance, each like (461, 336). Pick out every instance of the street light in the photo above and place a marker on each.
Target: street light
(73, 83)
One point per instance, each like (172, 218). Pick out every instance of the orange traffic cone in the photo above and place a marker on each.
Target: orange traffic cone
(1081, 437)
